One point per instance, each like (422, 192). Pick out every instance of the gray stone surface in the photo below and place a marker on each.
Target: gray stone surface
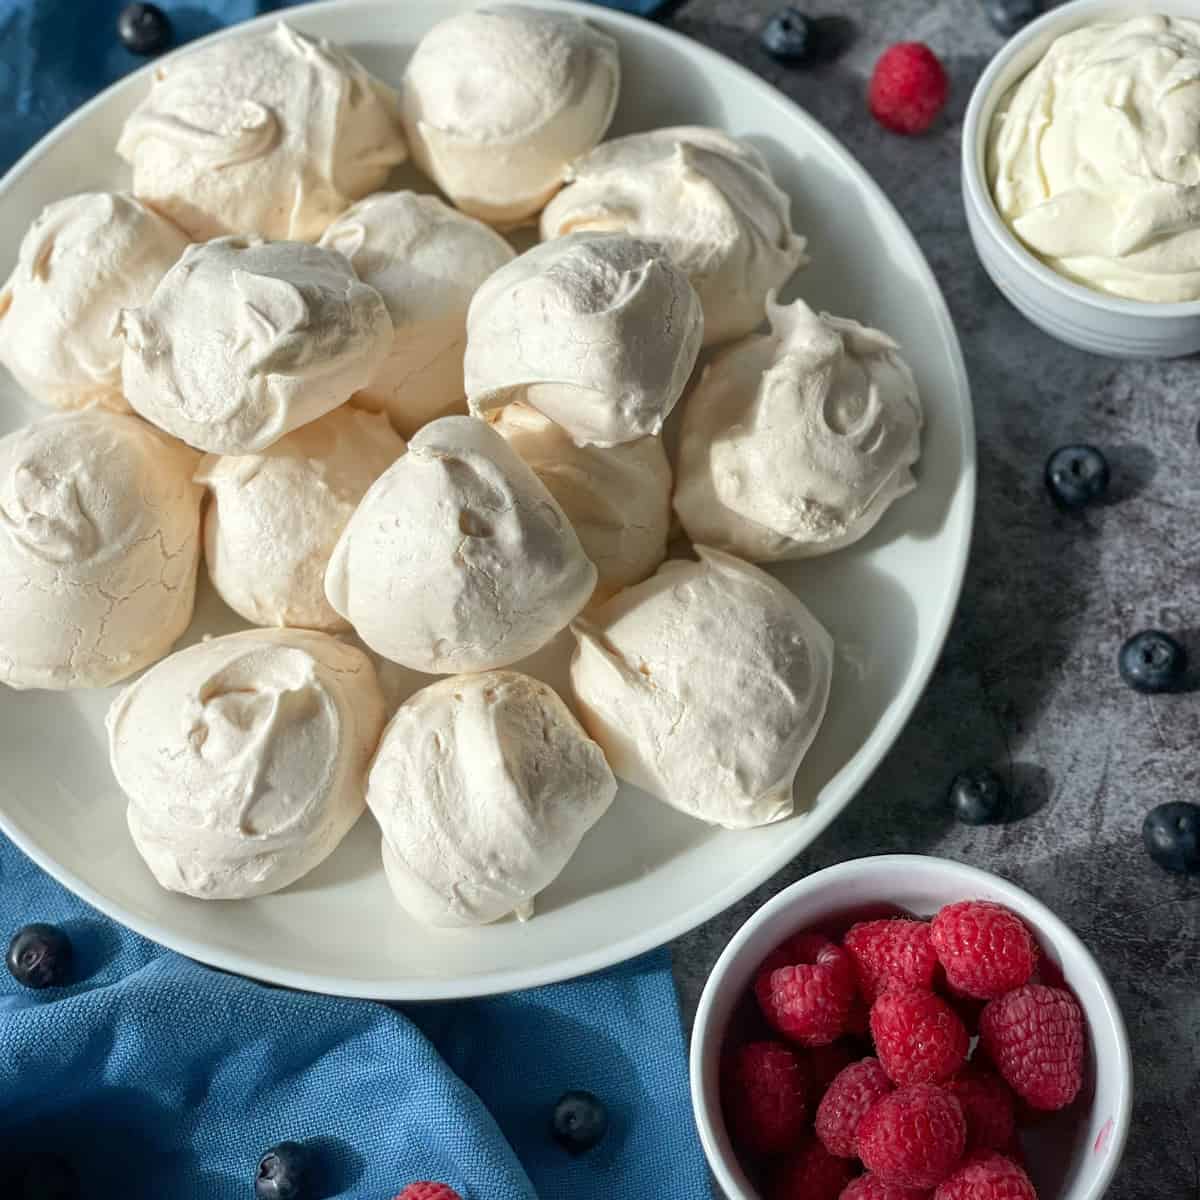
(1028, 681)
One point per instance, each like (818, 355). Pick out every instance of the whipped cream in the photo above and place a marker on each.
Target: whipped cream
(1094, 158)
(246, 340)
(598, 331)
(707, 199)
(244, 759)
(275, 516)
(617, 498)
(484, 786)
(458, 558)
(82, 261)
(270, 133)
(795, 443)
(705, 685)
(498, 100)
(99, 545)
(426, 260)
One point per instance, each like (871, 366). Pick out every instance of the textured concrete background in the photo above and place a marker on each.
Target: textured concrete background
(1028, 681)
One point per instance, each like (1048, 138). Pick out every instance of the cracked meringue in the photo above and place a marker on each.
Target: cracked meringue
(598, 331)
(99, 546)
(244, 759)
(275, 517)
(794, 444)
(268, 133)
(246, 340)
(497, 101)
(484, 786)
(458, 558)
(426, 260)
(617, 498)
(82, 261)
(708, 199)
(705, 686)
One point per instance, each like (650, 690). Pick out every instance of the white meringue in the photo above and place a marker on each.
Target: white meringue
(99, 545)
(246, 340)
(597, 330)
(426, 260)
(244, 759)
(705, 686)
(707, 199)
(484, 786)
(458, 558)
(794, 444)
(617, 498)
(275, 517)
(82, 261)
(270, 133)
(498, 100)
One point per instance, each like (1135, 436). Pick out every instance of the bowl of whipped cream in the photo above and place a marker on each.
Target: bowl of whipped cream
(1081, 175)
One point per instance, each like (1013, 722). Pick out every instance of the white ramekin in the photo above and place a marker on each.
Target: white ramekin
(1074, 1157)
(1068, 311)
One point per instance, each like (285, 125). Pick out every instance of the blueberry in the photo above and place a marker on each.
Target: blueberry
(1171, 833)
(978, 796)
(1152, 661)
(1010, 15)
(580, 1122)
(788, 36)
(144, 29)
(39, 956)
(47, 1177)
(285, 1172)
(1076, 475)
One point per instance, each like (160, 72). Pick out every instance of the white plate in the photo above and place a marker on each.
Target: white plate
(645, 874)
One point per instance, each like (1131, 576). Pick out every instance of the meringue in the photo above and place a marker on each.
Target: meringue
(705, 686)
(617, 498)
(246, 340)
(598, 331)
(99, 546)
(458, 558)
(82, 261)
(244, 759)
(708, 199)
(275, 517)
(270, 133)
(497, 101)
(484, 786)
(426, 261)
(794, 444)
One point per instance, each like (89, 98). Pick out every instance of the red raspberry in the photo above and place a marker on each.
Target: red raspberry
(810, 1173)
(913, 1137)
(428, 1191)
(986, 1176)
(887, 953)
(765, 1097)
(1035, 1037)
(908, 89)
(824, 1064)
(918, 1037)
(807, 999)
(987, 1105)
(985, 949)
(854, 1091)
(871, 1187)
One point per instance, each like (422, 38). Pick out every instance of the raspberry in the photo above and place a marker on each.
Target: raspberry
(871, 1187)
(428, 1191)
(807, 999)
(986, 1176)
(765, 1097)
(908, 89)
(1035, 1037)
(889, 953)
(918, 1037)
(854, 1091)
(810, 1173)
(824, 1064)
(913, 1137)
(985, 949)
(987, 1105)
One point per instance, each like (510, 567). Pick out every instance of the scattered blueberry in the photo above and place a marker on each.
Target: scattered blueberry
(787, 36)
(144, 29)
(39, 956)
(1077, 475)
(1152, 661)
(978, 796)
(1171, 833)
(47, 1177)
(284, 1173)
(1010, 15)
(580, 1122)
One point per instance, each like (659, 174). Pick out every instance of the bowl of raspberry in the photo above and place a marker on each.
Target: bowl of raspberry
(909, 1028)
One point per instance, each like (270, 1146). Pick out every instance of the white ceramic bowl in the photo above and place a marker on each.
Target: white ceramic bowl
(1067, 311)
(1072, 1155)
